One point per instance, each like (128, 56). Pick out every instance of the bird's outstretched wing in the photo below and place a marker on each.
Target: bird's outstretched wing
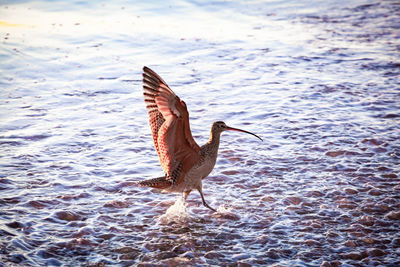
(169, 123)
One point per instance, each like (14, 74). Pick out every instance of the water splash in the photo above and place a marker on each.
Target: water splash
(224, 209)
(177, 213)
(225, 212)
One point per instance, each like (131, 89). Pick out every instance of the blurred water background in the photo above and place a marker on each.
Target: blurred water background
(317, 80)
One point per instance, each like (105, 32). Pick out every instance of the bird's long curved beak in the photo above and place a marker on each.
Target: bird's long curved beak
(243, 131)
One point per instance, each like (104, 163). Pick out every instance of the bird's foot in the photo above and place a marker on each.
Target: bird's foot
(206, 205)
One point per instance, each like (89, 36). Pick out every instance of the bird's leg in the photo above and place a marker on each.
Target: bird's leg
(204, 202)
(186, 194)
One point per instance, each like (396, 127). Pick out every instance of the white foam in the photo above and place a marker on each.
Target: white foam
(224, 209)
(225, 212)
(177, 213)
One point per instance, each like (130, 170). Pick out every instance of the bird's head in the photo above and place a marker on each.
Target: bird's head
(220, 126)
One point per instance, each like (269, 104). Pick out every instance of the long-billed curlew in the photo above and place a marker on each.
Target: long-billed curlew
(185, 164)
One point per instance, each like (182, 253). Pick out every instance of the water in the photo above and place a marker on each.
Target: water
(317, 80)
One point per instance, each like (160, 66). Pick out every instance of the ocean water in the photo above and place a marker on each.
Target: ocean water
(319, 81)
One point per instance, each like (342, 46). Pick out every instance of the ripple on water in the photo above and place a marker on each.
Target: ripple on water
(321, 190)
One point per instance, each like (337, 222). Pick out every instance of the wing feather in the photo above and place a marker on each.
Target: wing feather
(169, 123)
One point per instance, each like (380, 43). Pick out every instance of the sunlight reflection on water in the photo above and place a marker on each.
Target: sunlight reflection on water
(317, 80)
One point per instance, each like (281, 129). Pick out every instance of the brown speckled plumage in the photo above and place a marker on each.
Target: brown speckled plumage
(185, 164)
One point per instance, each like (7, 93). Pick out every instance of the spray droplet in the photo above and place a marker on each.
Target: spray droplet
(177, 213)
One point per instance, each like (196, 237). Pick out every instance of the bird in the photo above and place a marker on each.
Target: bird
(184, 162)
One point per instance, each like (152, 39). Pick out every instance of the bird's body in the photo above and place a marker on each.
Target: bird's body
(199, 171)
(185, 164)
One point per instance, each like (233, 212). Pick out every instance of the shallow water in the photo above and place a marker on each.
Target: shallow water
(318, 81)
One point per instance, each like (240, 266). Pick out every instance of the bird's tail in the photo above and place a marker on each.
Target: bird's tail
(159, 183)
